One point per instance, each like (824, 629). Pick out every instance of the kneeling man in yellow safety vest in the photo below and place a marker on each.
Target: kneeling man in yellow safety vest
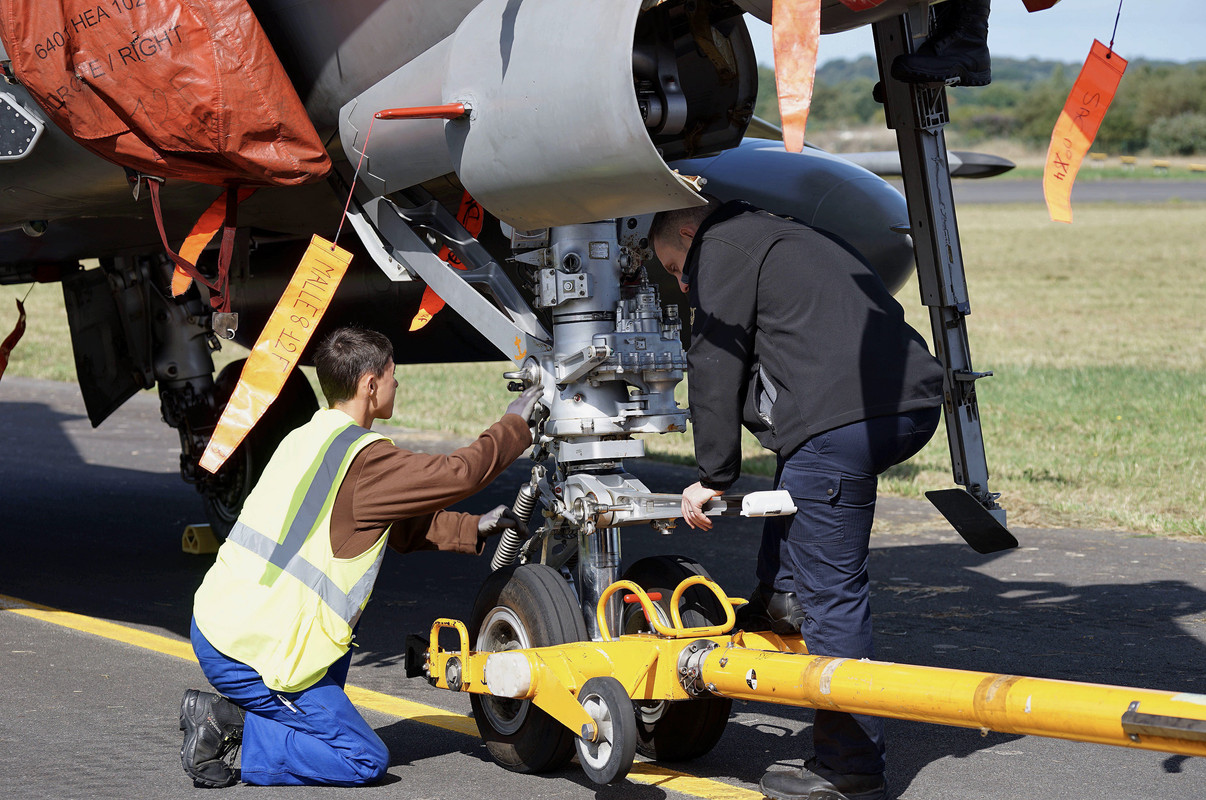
(274, 618)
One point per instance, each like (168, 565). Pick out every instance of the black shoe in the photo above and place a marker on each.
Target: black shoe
(213, 729)
(956, 52)
(815, 781)
(769, 610)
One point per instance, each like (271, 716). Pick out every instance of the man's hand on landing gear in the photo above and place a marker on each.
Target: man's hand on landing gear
(498, 520)
(525, 404)
(695, 497)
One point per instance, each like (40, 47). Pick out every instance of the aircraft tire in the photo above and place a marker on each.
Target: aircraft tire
(683, 729)
(527, 605)
(293, 408)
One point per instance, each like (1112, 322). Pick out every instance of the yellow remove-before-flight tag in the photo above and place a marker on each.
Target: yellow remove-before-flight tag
(280, 345)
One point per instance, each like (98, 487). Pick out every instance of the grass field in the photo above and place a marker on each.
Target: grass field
(1095, 332)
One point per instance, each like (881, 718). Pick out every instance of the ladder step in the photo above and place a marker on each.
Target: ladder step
(975, 523)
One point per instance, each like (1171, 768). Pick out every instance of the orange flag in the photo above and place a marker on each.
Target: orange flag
(796, 31)
(471, 217)
(203, 231)
(11, 340)
(280, 345)
(1077, 127)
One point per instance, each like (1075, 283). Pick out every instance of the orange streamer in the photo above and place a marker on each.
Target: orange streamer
(11, 340)
(796, 30)
(280, 345)
(1077, 127)
(201, 235)
(472, 218)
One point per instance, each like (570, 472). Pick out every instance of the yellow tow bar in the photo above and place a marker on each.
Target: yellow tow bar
(681, 663)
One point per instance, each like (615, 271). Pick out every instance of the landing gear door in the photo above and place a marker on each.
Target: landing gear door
(110, 337)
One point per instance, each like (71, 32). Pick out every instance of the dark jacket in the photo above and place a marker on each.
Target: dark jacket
(792, 334)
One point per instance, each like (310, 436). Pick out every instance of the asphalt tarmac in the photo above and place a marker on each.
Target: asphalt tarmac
(90, 526)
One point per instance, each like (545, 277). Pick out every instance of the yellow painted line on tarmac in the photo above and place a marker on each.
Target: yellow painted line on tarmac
(99, 627)
(642, 772)
(410, 710)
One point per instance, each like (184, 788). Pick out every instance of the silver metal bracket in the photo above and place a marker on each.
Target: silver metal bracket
(556, 287)
(391, 234)
(19, 129)
(225, 325)
(1136, 723)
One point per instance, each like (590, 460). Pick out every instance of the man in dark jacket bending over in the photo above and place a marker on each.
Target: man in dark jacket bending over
(794, 336)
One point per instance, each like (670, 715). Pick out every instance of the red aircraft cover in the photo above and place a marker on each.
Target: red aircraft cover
(186, 89)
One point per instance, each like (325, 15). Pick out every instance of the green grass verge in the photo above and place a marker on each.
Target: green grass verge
(1118, 447)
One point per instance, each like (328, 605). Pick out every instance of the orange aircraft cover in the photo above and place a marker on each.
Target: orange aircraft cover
(186, 89)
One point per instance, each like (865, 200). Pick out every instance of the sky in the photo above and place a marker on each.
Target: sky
(1173, 30)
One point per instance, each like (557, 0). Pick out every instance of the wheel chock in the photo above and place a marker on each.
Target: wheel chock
(199, 540)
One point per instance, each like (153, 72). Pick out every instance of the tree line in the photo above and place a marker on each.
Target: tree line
(1160, 107)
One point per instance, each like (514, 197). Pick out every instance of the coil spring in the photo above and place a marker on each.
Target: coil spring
(512, 540)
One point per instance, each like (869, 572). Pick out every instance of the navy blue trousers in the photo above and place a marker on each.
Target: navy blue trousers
(820, 553)
(314, 737)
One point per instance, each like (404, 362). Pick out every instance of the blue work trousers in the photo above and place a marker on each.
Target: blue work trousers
(820, 553)
(314, 737)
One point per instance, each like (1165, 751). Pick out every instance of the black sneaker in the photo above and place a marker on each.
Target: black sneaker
(769, 610)
(815, 781)
(213, 729)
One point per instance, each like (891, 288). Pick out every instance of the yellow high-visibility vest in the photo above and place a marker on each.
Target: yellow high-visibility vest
(277, 598)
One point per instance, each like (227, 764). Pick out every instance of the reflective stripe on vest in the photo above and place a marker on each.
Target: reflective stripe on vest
(310, 510)
(284, 554)
(346, 605)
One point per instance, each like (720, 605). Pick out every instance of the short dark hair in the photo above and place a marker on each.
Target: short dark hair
(345, 355)
(666, 224)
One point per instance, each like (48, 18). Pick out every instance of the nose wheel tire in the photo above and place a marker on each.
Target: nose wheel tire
(683, 729)
(609, 757)
(521, 606)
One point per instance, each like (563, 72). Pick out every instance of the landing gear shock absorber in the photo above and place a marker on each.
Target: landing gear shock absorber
(512, 540)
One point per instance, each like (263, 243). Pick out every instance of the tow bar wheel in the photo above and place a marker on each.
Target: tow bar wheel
(609, 756)
(518, 607)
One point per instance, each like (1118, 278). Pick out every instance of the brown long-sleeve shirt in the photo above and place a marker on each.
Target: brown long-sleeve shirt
(386, 485)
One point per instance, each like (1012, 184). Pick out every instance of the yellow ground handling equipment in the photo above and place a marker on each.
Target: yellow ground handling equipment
(609, 696)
